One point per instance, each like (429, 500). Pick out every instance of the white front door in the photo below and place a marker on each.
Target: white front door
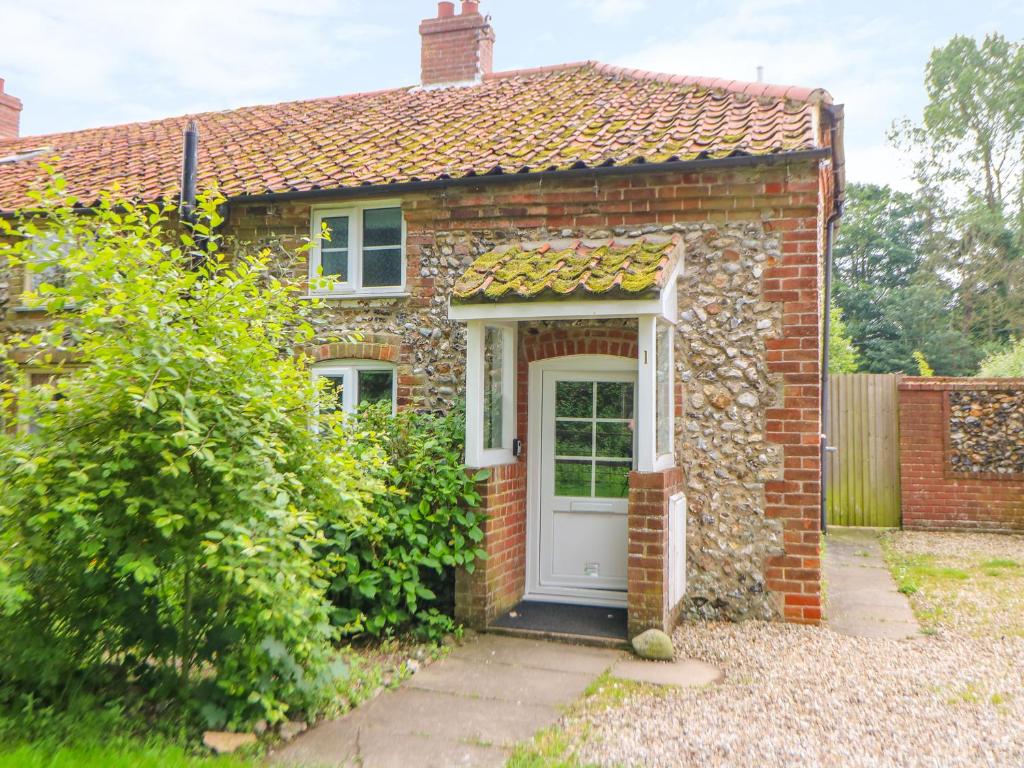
(587, 448)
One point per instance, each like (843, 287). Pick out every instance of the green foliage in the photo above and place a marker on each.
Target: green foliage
(391, 565)
(94, 734)
(892, 302)
(1008, 363)
(158, 526)
(923, 369)
(842, 356)
(970, 166)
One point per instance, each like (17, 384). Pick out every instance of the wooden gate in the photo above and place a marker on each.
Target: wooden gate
(863, 487)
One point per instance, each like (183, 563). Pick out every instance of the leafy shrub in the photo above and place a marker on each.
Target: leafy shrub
(1006, 363)
(391, 564)
(158, 525)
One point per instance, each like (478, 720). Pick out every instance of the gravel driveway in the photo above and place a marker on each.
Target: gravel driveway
(806, 696)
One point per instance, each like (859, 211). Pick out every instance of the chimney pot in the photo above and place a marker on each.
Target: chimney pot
(470, 7)
(445, 10)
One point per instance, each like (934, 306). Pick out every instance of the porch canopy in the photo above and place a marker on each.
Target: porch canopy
(568, 280)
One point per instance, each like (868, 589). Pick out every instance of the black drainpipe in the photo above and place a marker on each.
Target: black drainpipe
(830, 230)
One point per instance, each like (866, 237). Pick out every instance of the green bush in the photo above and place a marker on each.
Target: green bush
(391, 565)
(159, 522)
(1005, 363)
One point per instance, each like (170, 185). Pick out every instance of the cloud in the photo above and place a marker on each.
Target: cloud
(851, 56)
(198, 54)
(612, 11)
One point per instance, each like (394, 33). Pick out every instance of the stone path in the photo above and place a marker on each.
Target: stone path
(861, 597)
(467, 710)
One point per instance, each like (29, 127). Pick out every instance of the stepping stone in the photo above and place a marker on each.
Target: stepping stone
(685, 672)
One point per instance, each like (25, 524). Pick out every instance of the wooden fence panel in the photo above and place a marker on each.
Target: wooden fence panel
(863, 486)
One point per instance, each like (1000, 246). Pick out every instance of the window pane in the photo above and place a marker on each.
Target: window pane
(572, 478)
(382, 226)
(336, 391)
(382, 268)
(612, 479)
(337, 226)
(376, 387)
(614, 440)
(494, 380)
(614, 400)
(574, 399)
(574, 438)
(335, 264)
(663, 440)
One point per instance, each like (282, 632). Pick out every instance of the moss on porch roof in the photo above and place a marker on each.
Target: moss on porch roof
(625, 269)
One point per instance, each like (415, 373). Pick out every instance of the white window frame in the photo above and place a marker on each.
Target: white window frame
(354, 285)
(348, 370)
(476, 455)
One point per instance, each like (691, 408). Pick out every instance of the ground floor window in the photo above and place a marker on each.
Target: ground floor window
(356, 383)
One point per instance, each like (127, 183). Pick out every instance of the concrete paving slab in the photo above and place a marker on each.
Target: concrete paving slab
(472, 720)
(862, 599)
(537, 654)
(503, 681)
(683, 672)
(381, 749)
(466, 710)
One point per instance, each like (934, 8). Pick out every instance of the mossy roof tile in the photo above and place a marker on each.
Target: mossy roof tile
(556, 118)
(629, 269)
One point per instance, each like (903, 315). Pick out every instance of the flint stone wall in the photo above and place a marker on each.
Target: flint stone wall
(986, 432)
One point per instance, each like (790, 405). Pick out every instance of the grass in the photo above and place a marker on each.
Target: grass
(121, 753)
(970, 591)
(555, 747)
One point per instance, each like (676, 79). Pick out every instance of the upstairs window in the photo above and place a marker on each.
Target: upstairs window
(365, 252)
(356, 383)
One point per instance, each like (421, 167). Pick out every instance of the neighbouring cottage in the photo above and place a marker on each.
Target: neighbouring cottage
(621, 272)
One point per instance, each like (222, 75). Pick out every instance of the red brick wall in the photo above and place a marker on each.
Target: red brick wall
(933, 496)
(497, 583)
(649, 493)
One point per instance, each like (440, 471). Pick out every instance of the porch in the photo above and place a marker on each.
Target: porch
(570, 389)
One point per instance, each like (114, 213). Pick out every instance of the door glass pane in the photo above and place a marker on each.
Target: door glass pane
(574, 438)
(612, 479)
(382, 267)
(663, 347)
(574, 399)
(614, 440)
(382, 226)
(494, 379)
(376, 387)
(614, 400)
(572, 478)
(335, 264)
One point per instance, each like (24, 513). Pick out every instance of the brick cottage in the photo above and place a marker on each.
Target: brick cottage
(620, 271)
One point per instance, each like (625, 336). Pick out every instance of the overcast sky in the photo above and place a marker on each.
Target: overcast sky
(83, 63)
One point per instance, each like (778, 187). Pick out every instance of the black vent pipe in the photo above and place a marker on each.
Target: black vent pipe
(189, 169)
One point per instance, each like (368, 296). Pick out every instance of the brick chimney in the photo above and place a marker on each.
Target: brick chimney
(10, 114)
(457, 49)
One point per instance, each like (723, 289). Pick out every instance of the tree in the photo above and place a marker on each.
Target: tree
(158, 522)
(892, 303)
(843, 356)
(970, 167)
(1008, 363)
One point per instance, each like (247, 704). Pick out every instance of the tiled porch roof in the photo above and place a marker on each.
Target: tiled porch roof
(626, 269)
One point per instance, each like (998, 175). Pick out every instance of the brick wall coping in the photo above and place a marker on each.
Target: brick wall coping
(957, 384)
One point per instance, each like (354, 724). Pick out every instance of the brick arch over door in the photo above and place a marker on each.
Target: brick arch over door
(544, 344)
